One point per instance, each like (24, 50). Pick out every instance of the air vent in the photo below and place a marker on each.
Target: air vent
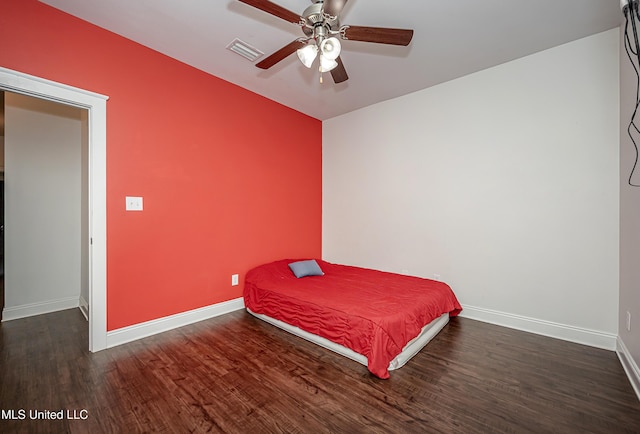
(245, 50)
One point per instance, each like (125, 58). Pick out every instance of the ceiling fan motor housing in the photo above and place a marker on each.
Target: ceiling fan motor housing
(316, 23)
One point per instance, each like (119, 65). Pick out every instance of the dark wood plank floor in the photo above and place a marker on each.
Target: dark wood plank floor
(237, 374)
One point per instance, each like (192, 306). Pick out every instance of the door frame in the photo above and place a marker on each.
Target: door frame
(96, 104)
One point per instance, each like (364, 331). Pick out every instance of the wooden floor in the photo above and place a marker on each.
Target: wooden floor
(237, 374)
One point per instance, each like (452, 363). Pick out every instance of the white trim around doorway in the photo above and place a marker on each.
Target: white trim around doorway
(96, 105)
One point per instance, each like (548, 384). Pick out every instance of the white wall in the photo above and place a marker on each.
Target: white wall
(629, 219)
(43, 207)
(504, 182)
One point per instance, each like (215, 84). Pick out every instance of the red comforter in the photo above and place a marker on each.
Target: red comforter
(374, 313)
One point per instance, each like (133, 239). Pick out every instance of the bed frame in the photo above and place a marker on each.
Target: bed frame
(427, 333)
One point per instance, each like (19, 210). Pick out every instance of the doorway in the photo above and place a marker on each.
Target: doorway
(45, 162)
(95, 104)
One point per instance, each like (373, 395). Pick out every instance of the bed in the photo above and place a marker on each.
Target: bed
(377, 318)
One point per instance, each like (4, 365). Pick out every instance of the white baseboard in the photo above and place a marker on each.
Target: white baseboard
(565, 332)
(629, 365)
(149, 328)
(84, 307)
(26, 310)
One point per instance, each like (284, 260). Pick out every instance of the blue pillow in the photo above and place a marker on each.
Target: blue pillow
(306, 268)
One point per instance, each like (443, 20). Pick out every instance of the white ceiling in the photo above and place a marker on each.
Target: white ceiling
(451, 39)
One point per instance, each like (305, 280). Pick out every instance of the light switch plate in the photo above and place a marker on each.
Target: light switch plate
(234, 279)
(133, 203)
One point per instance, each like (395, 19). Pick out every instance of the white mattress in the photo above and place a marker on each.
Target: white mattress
(411, 349)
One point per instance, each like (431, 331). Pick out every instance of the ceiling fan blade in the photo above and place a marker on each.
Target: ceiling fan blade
(333, 7)
(274, 9)
(380, 35)
(338, 73)
(279, 55)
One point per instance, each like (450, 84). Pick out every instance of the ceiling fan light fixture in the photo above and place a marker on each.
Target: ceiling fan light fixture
(330, 48)
(307, 54)
(327, 64)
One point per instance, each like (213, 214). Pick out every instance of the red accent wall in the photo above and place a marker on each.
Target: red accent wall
(227, 182)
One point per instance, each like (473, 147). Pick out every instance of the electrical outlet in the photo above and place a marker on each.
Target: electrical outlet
(234, 280)
(628, 321)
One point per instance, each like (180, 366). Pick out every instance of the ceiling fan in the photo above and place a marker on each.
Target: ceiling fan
(320, 23)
